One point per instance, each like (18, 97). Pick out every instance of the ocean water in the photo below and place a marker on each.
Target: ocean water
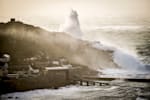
(131, 43)
(133, 39)
(118, 90)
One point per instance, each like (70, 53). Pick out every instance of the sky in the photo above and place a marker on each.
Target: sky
(36, 10)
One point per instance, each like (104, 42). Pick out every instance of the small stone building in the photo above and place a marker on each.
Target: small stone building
(12, 20)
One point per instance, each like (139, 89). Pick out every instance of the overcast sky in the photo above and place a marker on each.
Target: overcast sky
(25, 9)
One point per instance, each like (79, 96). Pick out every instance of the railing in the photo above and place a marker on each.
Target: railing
(85, 82)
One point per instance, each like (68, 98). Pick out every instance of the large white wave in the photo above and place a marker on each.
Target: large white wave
(130, 65)
(72, 25)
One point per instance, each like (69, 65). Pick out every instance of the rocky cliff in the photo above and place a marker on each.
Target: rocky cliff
(24, 41)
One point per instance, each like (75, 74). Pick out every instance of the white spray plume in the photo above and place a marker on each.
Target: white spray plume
(72, 25)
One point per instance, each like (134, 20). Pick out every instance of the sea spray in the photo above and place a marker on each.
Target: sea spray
(126, 61)
(72, 25)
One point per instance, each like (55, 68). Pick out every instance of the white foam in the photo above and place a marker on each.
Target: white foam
(99, 45)
(129, 64)
(69, 93)
(127, 61)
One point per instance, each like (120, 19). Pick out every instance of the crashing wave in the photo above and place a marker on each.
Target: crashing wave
(129, 64)
(72, 25)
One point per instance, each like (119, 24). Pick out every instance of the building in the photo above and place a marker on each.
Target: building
(12, 20)
(59, 73)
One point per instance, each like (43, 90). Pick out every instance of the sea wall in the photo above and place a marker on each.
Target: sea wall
(46, 79)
